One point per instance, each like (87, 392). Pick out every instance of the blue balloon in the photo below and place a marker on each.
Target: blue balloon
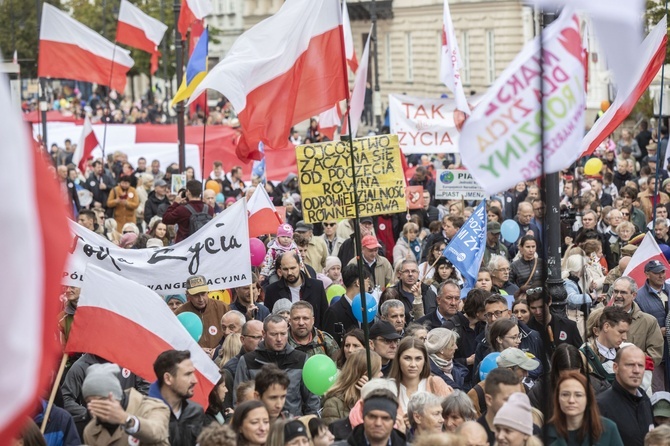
(488, 363)
(510, 231)
(357, 308)
(665, 249)
(192, 323)
(335, 299)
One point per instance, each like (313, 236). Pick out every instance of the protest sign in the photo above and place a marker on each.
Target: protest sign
(466, 250)
(219, 251)
(414, 197)
(456, 184)
(500, 141)
(326, 184)
(425, 125)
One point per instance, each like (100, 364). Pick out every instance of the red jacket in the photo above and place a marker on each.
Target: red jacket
(177, 214)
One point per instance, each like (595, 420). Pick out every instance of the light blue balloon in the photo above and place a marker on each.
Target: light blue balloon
(357, 308)
(192, 324)
(488, 363)
(510, 231)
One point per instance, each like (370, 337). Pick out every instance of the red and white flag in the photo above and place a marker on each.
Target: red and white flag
(263, 216)
(70, 50)
(140, 30)
(282, 71)
(130, 325)
(330, 120)
(647, 61)
(451, 64)
(357, 103)
(648, 250)
(192, 11)
(87, 143)
(34, 242)
(349, 49)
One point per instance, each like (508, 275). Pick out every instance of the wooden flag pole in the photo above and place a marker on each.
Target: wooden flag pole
(50, 404)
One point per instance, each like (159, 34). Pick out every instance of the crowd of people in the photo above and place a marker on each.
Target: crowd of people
(500, 363)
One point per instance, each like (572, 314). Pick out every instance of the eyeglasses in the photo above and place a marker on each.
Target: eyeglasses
(625, 214)
(495, 314)
(329, 224)
(514, 338)
(409, 271)
(534, 291)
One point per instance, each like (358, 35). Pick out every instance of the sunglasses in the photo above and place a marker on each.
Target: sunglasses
(329, 224)
(534, 291)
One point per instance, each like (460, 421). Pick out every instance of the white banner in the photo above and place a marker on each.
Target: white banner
(456, 184)
(219, 251)
(425, 125)
(500, 142)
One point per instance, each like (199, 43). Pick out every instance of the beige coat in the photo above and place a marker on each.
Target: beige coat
(123, 213)
(154, 417)
(383, 274)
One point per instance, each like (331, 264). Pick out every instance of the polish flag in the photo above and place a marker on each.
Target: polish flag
(70, 50)
(87, 143)
(34, 226)
(192, 11)
(282, 71)
(263, 216)
(647, 61)
(140, 30)
(357, 102)
(128, 324)
(330, 120)
(450, 64)
(648, 250)
(349, 49)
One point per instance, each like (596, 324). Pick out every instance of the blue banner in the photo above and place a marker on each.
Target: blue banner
(466, 249)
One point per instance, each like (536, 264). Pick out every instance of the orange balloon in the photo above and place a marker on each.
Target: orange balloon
(213, 185)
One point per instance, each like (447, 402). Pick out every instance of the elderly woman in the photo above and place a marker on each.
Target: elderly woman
(424, 412)
(441, 346)
(457, 408)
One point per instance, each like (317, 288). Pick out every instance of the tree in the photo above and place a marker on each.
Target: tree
(21, 34)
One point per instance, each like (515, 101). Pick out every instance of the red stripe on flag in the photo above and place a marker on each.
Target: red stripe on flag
(264, 221)
(67, 61)
(319, 86)
(90, 143)
(186, 17)
(135, 37)
(139, 359)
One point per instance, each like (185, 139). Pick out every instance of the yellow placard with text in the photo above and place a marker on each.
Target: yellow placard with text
(326, 178)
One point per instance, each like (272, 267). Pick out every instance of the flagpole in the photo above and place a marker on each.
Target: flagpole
(204, 141)
(357, 226)
(660, 158)
(104, 131)
(178, 48)
(42, 100)
(52, 396)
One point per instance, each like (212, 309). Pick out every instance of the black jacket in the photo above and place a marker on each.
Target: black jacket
(530, 342)
(339, 313)
(155, 206)
(356, 437)
(632, 414)
(432, 319)
(184, 430)
(311, 291)
(93, 185)
(565, 332)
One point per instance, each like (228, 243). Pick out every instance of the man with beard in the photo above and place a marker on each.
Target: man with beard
(176, 381)
(295, 286)
(123, 199)
(99, 183)
(305, 337)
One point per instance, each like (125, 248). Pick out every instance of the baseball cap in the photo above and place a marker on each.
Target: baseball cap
(493, 227)
(301, 226)
(366, 220)
(385, 330)
(196, 285)
(660, 403)
(513, 357)
(294, 429)
(159, 183)
(654, 266)
(370, 242)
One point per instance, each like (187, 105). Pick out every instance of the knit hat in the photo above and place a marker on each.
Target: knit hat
(128, 240)
(154, 243)
(180, 297)
(230, 200)
(101, 380)
(379, 383)
(516, 414)
(325, 280)
(330, 262)
(438, 339)
(294, 429)
(285, 230)
(281, 305)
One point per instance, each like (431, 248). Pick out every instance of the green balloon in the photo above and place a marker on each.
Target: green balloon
(334, 290)
(319, 374)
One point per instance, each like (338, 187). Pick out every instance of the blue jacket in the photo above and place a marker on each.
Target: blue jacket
(459, 372)
(60, 429)
(576, 297)
(650, 303)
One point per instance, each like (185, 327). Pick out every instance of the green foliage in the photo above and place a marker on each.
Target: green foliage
(655, 12)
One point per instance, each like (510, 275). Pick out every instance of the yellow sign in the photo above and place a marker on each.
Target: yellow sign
(326, 185)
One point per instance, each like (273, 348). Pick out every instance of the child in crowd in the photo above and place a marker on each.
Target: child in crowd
(283, 243)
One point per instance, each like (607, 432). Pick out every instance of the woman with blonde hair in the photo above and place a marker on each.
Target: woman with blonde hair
(111, 229)
(231, 347)
(441, 347)
(343, 395)
(411, 372)
(408, 245)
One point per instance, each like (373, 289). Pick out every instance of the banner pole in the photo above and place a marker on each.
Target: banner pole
(357, 226)
(661, 154)
(50, 404)
(104, 131)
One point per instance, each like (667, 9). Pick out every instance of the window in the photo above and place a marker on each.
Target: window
(490, 56)
(465, 57)
(387, 57)
(409, 66)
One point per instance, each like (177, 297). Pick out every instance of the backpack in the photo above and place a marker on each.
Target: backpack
(197, 219)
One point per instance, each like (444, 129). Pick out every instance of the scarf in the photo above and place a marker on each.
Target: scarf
(445, 365)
